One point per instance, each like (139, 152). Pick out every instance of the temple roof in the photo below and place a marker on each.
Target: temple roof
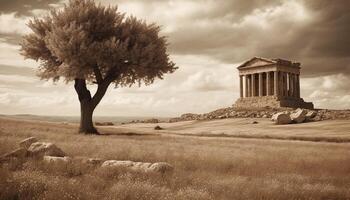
(258, 61)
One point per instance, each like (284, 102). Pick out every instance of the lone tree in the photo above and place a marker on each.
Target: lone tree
(92, 44)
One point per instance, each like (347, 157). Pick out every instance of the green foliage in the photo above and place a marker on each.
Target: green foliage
(98, 44)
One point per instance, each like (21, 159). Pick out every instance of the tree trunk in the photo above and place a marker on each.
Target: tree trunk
(86, 124)
(88, 104)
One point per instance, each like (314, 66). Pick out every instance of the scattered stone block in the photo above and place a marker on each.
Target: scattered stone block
(255, 122)
(310, 115)
(54, 159)
(281, 118)
(298, 116)
(27, 142)
(159, 167)
(39, 149)
(141, 166)
(118, 163)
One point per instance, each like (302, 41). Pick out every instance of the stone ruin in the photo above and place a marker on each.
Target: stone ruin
(49, 153)
(273, 83)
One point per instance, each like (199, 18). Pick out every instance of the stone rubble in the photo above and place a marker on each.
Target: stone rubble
(299, 115)
(281, 118)
(231, 112)
(55, 159)
(51, 154)
(40, 149)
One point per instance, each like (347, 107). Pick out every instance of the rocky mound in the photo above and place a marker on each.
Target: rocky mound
(230, 112)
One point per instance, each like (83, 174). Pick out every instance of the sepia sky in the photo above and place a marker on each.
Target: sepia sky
(208, 40)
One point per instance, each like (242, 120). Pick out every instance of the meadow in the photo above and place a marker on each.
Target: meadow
(204, 167)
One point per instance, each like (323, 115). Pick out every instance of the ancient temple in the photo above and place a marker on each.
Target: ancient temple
(271, 83)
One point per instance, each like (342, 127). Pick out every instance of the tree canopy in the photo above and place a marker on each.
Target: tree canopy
(97, 44)
(89, 43)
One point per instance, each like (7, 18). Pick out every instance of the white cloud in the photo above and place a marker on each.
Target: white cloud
(9, 55)
(10, 24)
(327, 91)
(10, 79)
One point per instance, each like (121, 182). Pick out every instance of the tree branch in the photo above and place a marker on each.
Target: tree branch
(83, 93)
(101, 91)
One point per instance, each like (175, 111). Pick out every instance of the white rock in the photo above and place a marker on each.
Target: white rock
(141, 166)
(27, 142)
(39, 149)
(281, 118)
(311, 114)
(299, 115)
(160, 167)
(117, 163)
(54, 159)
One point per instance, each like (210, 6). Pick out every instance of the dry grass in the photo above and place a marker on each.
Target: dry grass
(205, 168)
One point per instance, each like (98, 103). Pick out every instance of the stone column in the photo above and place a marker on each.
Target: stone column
(298, 86)
(294, 85)
(268, 87)
(290, 91)
(275, 83)
(261, 89)
(280, 82)
(241, 85)
(246, 79)
(285, 84)
(253, 85)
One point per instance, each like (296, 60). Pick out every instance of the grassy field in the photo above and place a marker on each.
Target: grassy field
(205, 167)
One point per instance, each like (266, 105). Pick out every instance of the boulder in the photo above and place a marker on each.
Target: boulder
(39, 149)
(19, 153)
(159, 167)
(310, 115)
(281, 118)
(54, 159)
(27, 142)
(141, 166)
(118, 163)
(299, 115)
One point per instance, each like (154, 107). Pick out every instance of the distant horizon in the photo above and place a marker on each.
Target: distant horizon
(130, 116)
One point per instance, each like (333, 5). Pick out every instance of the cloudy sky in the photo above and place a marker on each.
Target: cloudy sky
(208, 40)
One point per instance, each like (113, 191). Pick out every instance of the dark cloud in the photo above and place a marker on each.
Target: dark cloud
(320, 42)
(24, 7)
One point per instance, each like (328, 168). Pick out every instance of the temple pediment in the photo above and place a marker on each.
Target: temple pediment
(257, 62)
